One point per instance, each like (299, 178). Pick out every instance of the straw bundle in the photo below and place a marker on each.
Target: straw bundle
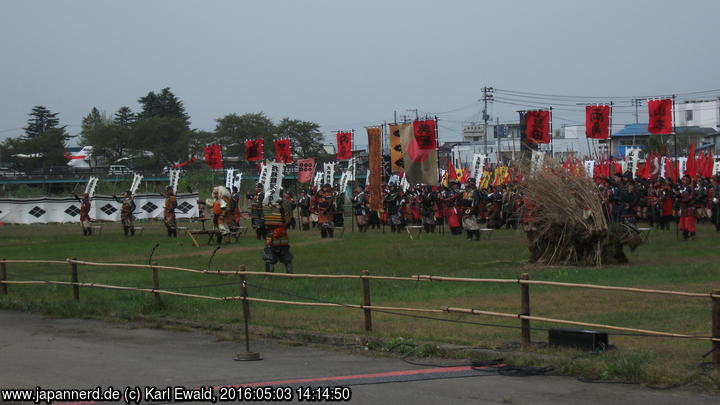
(569, 223)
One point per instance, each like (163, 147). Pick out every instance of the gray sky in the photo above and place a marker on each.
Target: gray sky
(347, 64)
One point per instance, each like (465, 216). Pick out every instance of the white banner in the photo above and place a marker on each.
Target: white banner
(90, 187)
(174, 177)
(632, 156)
(537, 161)
(103, 208)
(317, 180)
(329, 173)
(682, 164)
(478, 163)
(229, 176)
(273, 182)
(137, 178)
(589, 168)
(716, 166)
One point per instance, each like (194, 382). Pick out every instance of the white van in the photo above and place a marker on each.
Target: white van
(119, 169)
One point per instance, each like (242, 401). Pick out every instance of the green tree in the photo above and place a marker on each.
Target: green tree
(40, 151)
(124, 117)
(233, 130)
(91, 123)
(160, 141)
(41, 119)
(306, 138)
(163, 105)
(199, 139)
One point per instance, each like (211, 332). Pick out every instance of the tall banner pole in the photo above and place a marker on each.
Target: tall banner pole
(552, 151)
(352, 211)
(610, 131)
(675, 141)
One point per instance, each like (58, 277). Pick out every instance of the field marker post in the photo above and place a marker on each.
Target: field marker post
(156, 284)
(525, 310)
(366, 301)
(74, 278)
(247, 355)
(3, 276)
(716, 327)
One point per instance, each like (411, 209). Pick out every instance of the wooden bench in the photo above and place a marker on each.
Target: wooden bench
(414, 228)
(193, 234)
(94, 228)
(339, 228)
(138, 228)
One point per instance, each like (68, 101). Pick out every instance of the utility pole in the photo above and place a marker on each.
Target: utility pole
(417, 117)
(487, 96)
(636, 102)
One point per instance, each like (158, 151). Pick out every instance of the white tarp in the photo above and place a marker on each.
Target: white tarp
(103, 208)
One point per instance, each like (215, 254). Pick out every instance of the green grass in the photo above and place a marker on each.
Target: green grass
(663, 263)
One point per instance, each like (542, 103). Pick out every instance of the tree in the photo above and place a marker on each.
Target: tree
(199, 139)
(163, 105)
(41, 119)
(91, 123)
(124, 117)
(305, 136)
(160, 141)
(233, 130)
(48, 146)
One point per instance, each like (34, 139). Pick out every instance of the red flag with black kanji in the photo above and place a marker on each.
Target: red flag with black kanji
(344, 145)
(537, 126)
(254, 149)
(597, 121)
(283, 154)
(424, 132)
(660, 117)
(213, 156)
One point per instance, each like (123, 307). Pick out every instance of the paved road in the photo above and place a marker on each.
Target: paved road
(71, 353)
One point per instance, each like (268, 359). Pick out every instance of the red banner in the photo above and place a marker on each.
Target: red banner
(213, 156)
(253, 149)
(671, 170)
(344, 145)
(660, 114)
(537, 126)
(691, 165)
(597, 121)
(424, 132)
(283, 153)
(306, 170)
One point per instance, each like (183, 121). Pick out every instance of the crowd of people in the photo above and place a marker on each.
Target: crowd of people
(462, 207)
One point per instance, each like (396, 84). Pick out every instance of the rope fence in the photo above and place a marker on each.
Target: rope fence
(523, 281)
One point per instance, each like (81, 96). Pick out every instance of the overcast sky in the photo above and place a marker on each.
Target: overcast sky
(347, 64)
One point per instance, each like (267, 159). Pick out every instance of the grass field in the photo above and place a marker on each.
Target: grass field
(663, 263)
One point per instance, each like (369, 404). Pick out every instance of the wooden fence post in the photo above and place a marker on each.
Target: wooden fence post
(716, 327)
(156, 285)
(525, 310)
(74, 279)
(366, 301)
(3, 276)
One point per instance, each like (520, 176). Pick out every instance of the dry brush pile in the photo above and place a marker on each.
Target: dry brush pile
(569, 223)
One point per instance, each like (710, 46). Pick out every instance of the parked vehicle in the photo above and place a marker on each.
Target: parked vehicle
(119, 169)
(10, 173)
